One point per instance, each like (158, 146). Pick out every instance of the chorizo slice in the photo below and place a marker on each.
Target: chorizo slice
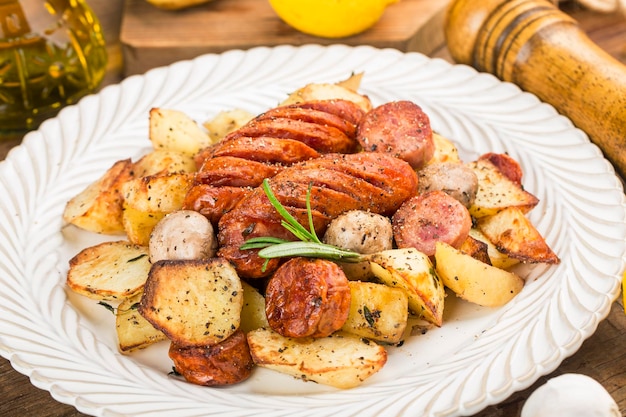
(400, 128)
(307, 298)
(226, 363)
(235, 172)
(324, 139)
(430, 217)
(213, 202)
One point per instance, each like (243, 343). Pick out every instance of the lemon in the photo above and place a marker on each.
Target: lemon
(330, 18)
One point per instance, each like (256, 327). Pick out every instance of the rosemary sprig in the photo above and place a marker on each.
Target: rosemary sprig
(309, 245)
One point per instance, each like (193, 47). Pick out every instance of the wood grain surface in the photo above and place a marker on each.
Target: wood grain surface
(602, 356)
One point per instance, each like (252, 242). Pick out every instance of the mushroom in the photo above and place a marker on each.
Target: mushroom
(183, 234)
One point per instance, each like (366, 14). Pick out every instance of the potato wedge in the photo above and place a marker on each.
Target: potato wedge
(139, 225)
(109, 271)
(497, 258)
(473, 280)
(326, 91)
(157, 193)
(513, 234)
(412, 271)
(174, 130)
(377, 311)
(133, 331)
(225, 122)
(497, 192)
(162, 161)
(445, 150)
(253, 311)
(194, 302)
(98, 208)
(340, 360)
(476, 249)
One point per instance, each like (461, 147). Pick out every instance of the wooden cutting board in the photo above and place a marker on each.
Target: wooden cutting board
(151, 37)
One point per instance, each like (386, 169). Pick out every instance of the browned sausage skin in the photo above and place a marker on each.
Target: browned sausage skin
(388, 182)
(430, 217)
(307, 298)
(399, 128)
(226, 363)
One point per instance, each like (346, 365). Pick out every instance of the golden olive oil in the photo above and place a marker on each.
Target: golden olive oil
(52, 53)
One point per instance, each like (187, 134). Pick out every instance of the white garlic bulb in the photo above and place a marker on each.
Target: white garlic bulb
(571, 395)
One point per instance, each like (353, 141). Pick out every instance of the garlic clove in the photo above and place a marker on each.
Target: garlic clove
(571, 395)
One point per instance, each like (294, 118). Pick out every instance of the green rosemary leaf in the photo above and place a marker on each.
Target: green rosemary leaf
(310, 215)
(284, 213)
(310, 250)
(261, 242)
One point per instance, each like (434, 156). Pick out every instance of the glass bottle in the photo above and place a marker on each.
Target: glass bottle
(52, 53)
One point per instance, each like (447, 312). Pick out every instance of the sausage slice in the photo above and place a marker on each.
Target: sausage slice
(400, 128)
(307, 298)
(430, 217)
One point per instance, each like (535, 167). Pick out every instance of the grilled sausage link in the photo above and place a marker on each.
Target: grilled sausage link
(273, 140)
(376, 182)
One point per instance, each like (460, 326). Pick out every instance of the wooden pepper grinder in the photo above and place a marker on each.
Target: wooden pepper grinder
(541, 49)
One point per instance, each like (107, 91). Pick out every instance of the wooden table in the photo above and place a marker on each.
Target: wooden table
(602, 356)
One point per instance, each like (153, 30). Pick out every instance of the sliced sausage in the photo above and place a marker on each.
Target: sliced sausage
(265, 149)
(399, 128)
(456, 179)
(254, 216)
(324, 139)
(229, 362)
(213, 202)
(346, 109)
(430, 217)
(311, 115)
(234, 171)
(307, 298)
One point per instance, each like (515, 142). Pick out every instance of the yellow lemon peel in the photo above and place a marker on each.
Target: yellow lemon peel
(330, 18)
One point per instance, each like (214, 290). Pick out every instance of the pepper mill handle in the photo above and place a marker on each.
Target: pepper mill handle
(541, 49)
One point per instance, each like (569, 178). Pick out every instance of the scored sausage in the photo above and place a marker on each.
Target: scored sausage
(307, 298)
(400, 128)
(386, 183)
(226, 363)
(430, 217)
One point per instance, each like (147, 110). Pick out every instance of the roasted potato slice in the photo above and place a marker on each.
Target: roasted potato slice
(377, 311)
(340, 360)
(163, 161)
(496, 258)
(98, 208)
(109, 271)
(513, 234)
(225, 122)
(476, 249)
(253, 311)
(473, 280)
(445, 150)
(139, 225)
(157, 193)
(194, 302)
(133, 331)
(497, 192)
(174, 130)
(412, 271)
(326, 91)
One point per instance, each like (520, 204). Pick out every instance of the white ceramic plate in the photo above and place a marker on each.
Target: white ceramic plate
(67, 345)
